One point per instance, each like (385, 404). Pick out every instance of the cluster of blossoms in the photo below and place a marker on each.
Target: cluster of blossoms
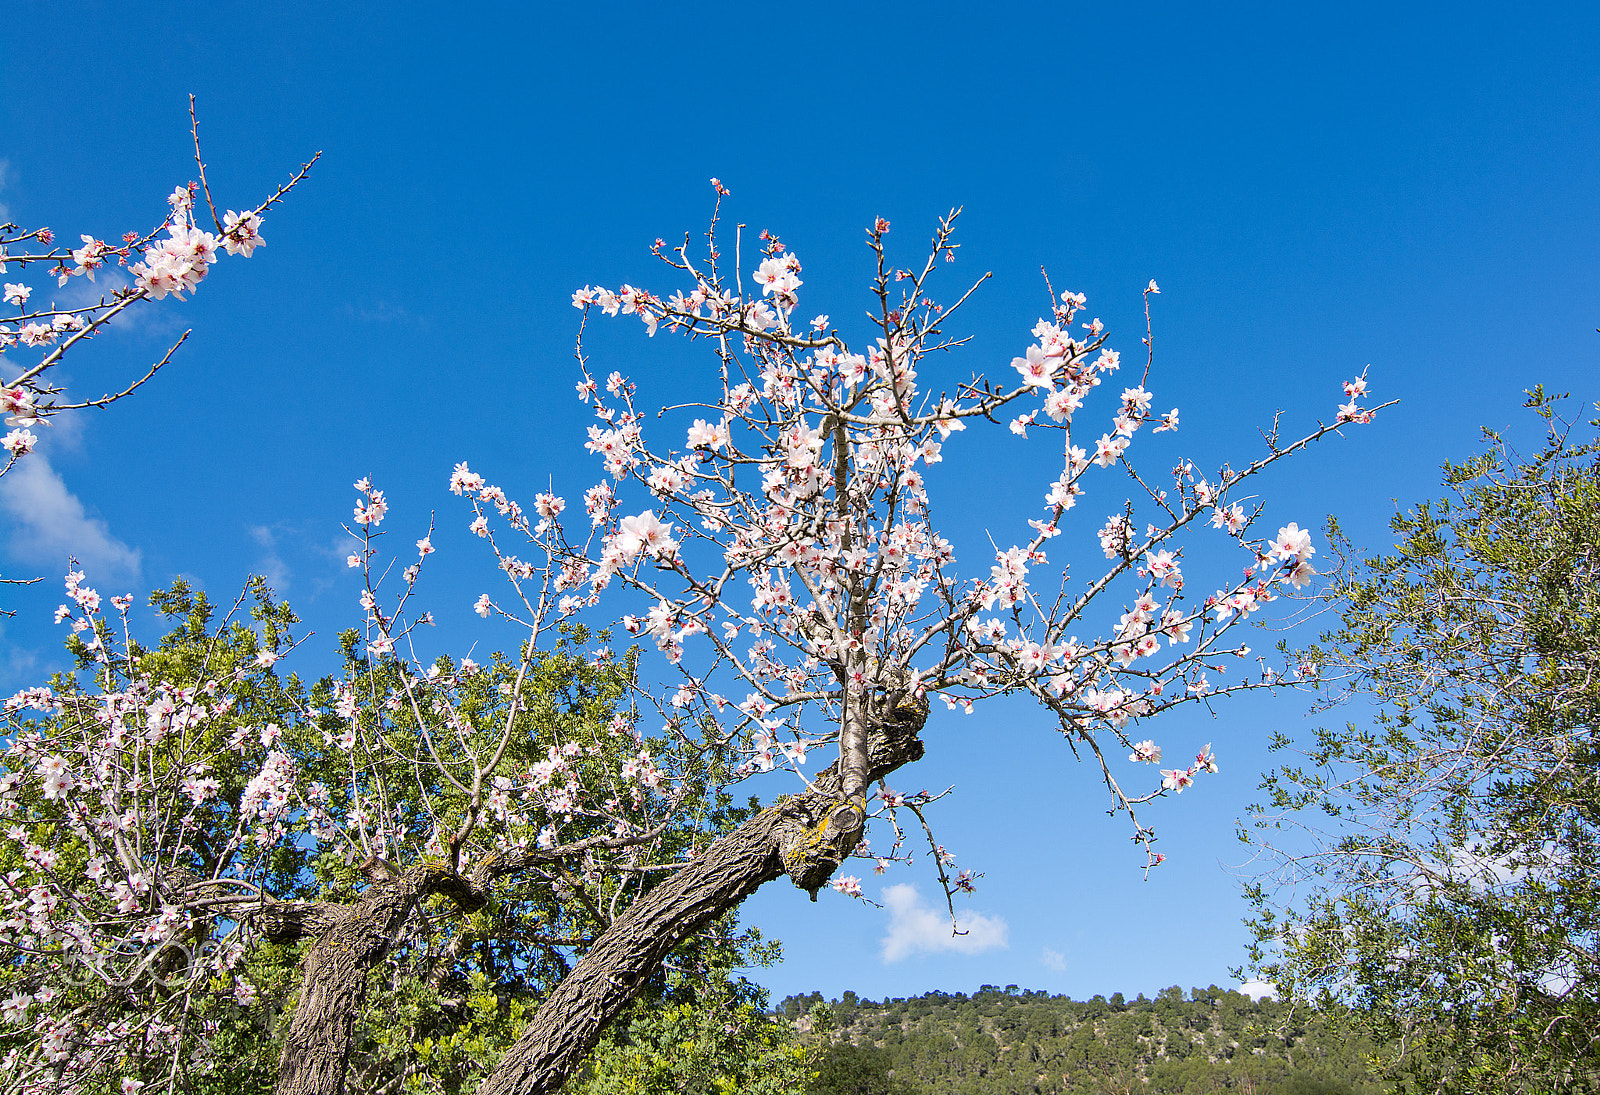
(176, 264)
(371, 506)
(1176, 779)
(169, 261)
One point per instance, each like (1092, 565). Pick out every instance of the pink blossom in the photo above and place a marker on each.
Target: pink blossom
(241, 233)
(200, 789)
(36, 334)
(1061, 404)
(370, 511)
(1175, 626)
(1293, 542)
(1037, 368)
(1350, 412)
(463, 479)
(1301, 574)
(177, 264)
(777, 275)
(849, 885)
(1233, 518)
(665, 480)
(1147, 752)
(598, 500)
(267, 793)
(645, 533)
(89, 257)
(758, 316)
(17, 404)
(702, 435)
(1114, 536)
(14, 1009)
(1163, 567)
(1108, 450)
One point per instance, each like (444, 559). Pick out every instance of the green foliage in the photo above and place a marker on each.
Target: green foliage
(844, 1068)
(704, 1034)
(1028, 1043)
(1448, 892)
(455, 990)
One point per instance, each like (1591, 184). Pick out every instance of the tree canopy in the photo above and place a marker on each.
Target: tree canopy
(253, 816)
(1000, 1043)
(1448, 890)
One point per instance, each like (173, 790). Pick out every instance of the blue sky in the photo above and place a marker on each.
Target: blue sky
(1315, 191)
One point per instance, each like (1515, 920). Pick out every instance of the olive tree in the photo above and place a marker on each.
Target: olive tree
(1434, 857)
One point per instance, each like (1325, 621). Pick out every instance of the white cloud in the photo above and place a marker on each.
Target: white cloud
(1052, 959)
(915, 927)
(80, 292)
(1256, 990)
(49, 524)
(271, 565)
(19, 667)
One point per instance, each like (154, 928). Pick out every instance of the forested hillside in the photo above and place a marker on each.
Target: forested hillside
(1013, 1042)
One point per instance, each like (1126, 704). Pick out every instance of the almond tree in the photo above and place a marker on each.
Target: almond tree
(787, 567)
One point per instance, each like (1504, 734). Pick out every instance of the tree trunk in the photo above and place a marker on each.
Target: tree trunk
(333, 989)
(797, 836)
(350, 941)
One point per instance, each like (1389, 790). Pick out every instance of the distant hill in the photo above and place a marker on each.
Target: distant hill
(1014, 1042)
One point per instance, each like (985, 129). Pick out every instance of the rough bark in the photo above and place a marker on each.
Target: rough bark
(801, 836)
(350, 941)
